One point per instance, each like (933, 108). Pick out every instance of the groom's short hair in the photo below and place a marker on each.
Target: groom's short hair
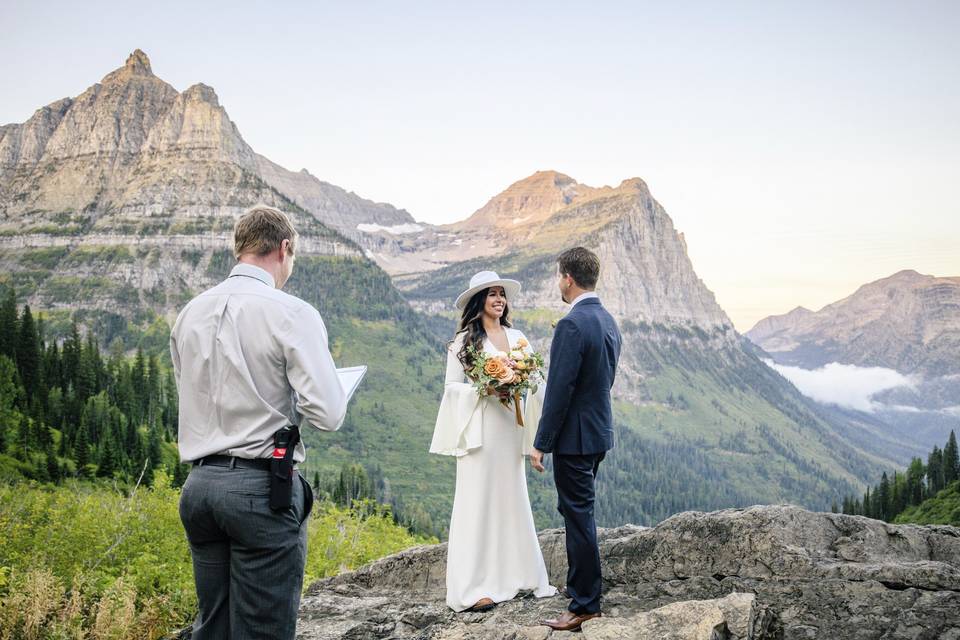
(261, 230)
(582, 265)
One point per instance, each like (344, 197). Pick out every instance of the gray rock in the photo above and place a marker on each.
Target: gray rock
(689, 620)
(759, 573)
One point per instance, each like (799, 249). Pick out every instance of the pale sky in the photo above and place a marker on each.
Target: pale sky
(804, 149)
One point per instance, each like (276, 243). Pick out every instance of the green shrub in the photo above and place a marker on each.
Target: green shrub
(86, 560)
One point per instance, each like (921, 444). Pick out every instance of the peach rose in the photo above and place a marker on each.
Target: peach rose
(509, 376)
(522, 343)
(495, 368)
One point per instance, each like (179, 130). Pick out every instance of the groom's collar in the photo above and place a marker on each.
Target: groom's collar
(251, 271)
(589, 295)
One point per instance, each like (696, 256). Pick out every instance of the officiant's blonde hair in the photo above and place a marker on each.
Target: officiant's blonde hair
(261, 230)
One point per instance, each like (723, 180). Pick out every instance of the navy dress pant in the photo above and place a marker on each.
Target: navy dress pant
(575, 477)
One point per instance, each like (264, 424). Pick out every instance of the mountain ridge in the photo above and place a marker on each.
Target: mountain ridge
(907, 321)
(128, 122)
(123, 237)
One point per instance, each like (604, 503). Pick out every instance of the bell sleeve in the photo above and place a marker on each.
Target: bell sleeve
(532, 410)
(459, 426)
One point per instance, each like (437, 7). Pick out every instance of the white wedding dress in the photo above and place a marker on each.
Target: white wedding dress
(493, 551)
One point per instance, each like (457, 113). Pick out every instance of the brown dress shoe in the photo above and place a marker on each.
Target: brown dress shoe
(484, 604)
(569, 621)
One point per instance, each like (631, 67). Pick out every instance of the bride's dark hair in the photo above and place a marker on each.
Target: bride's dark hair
(471, 325)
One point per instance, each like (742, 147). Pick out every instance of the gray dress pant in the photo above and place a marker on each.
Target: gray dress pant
(248, 561)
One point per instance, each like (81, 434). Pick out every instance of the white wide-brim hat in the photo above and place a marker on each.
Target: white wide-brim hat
(485, 280)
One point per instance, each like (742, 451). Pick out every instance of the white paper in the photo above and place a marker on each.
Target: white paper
(350, 378)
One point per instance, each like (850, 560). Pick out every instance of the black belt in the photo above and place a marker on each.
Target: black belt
(232, 461)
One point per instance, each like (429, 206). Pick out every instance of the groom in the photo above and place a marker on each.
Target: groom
(577, 424)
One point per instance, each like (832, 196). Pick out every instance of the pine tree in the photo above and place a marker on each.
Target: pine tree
(180, 472)
(71, 357)
(81, 451)
(915, 482)
(898, 500)
(64, 442)
(951, 460)
(934, 471)
(153, 381)
(354, 484)
(28, 354)
(885, 498)
(154, 454)
(53, 469)
(171, 406)
(8, 325)
(24, 438)
(42, 435)
(108, 456)
(87, 374)
(52, 366)
(138, 378)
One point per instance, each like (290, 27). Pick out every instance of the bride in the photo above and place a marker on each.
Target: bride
(493, 552)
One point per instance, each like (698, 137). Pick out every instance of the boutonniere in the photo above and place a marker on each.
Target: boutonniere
(553, 323)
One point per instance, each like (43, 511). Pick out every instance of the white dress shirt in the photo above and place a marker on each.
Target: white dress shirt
(249, 360)
(583, 296)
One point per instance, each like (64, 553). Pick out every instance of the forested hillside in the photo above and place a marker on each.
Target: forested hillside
(924, 493)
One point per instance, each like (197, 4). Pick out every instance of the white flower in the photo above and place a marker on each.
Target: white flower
(516, 354)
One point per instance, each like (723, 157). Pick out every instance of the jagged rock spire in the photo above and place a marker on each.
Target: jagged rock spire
(137, 64)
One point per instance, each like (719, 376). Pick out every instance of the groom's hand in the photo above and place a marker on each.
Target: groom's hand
(536, 460)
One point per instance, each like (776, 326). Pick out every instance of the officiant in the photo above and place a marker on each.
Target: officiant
(252, 365)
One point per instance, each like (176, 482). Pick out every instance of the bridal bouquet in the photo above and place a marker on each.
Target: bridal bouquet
(508, 375)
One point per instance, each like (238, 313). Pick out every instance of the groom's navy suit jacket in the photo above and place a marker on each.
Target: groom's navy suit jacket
(577, 413)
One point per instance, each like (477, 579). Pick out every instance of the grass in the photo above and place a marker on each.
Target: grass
(97, 561)
(943, 508)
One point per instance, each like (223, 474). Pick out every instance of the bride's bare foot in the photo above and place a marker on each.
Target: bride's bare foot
(484, 604)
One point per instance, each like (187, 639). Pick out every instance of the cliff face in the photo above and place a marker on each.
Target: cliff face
(908, 322)
(647, 275)
(133, 146)
(133, 187)
(759, 573)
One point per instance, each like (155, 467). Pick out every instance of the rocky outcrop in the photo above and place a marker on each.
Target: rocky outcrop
(759, 573)
(909, 322)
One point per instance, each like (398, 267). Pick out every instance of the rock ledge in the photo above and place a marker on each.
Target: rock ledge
(760, 573)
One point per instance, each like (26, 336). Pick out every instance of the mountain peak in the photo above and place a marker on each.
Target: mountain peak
(547, 176)
(528, 201)
(137, 64)
(202, 93)
(908, 275)
(633, 184)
